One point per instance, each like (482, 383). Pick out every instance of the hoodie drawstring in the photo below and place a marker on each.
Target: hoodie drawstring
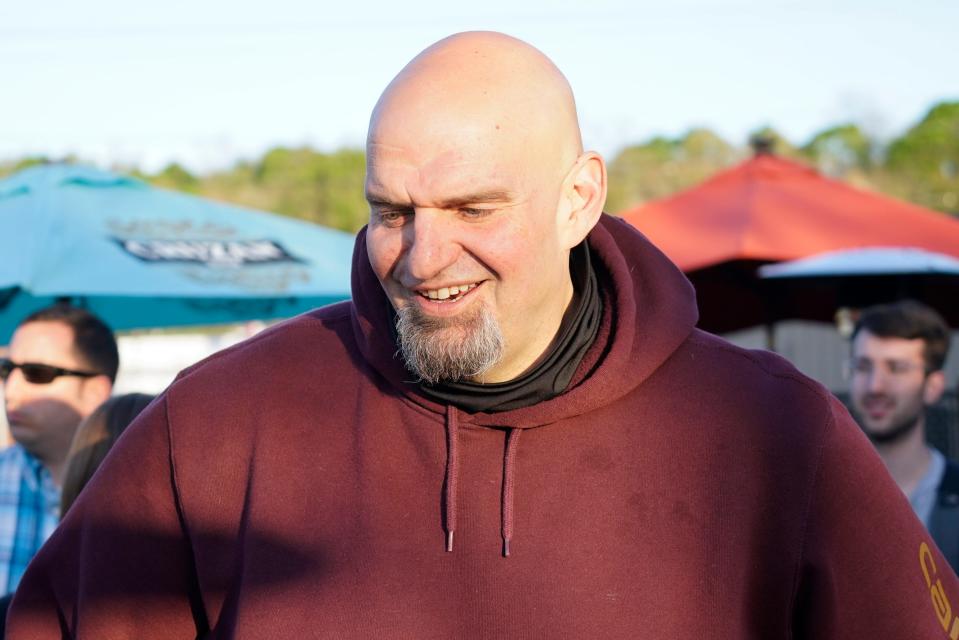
(452, 473)
(509, 465)
(452, 477)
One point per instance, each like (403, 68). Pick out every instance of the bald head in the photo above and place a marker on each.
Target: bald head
(485, 88)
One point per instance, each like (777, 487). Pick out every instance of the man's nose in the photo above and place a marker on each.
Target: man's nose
(431, 244)
(876, 380)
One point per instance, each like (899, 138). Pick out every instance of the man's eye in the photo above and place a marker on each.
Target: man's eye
(472, 213)
(392, 217)
(900, 367)
(861, 366)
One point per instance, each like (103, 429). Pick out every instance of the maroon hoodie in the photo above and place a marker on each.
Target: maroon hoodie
(298, 485)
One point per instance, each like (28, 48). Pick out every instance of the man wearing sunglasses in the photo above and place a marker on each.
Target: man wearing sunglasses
(896, 371)
(62, 364)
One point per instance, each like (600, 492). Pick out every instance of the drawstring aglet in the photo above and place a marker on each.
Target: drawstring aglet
(506, 547)
(449, 541)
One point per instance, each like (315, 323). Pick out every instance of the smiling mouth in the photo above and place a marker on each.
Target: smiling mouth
(877, 406)
(447, 294)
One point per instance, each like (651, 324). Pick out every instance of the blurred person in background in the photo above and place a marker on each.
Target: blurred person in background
(5, 438)
(512, 430)
(95, 436)
(62, 363)
(896, 372)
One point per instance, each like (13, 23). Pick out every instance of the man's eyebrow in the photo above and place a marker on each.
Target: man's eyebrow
(377, 198)
(480, 197)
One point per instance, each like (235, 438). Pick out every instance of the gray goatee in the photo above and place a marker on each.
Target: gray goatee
(440, 350)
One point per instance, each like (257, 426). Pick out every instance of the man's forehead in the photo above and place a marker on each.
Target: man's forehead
(395, 173)
(438, 131)
(435, 132)
(415, 156)
(44, 331)
(889, 347)
(43, 340)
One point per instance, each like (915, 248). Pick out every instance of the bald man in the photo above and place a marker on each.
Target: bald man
(513, 430)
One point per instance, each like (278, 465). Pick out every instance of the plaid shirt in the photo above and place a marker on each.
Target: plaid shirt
(29, 512)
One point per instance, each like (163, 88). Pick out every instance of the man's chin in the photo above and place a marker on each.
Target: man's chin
(448, 349)
(873, 432)
(891, 433)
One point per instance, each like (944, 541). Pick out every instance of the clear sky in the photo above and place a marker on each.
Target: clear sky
(205, 82)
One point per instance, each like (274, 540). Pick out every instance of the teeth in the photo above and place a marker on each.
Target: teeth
(445, 293)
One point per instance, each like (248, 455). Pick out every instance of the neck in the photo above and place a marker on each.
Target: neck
(907, 459)
(57, 471)
(536, 347)
(56, 466)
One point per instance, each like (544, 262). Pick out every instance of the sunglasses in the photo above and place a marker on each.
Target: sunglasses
(39, 373)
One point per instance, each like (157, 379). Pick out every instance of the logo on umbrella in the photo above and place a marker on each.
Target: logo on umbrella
(214, 253)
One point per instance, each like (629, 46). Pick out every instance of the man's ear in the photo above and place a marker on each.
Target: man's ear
(583, 198)
(96, 391)
(934, 388)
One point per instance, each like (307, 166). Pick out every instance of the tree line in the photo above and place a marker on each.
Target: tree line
(921, 166)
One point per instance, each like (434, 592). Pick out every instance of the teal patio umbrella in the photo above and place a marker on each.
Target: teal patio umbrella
(143, 257)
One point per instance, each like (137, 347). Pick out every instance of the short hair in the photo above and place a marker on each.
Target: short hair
(93, 340)
(95, 436)
(909, 320)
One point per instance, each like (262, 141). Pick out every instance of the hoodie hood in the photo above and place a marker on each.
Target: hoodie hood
(652, 309)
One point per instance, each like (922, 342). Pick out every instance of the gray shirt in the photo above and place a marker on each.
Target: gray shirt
(923, 499)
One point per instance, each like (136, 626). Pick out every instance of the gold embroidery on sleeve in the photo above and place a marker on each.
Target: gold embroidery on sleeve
(940, 601)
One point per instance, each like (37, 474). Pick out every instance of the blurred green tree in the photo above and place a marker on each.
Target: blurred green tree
(841, 150)
(923, 164)
(662, 166)
(175, 176)
(326, 188)
(12, 166)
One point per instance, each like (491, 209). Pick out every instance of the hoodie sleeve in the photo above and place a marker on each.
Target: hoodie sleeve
(868, 568)
(120, 564)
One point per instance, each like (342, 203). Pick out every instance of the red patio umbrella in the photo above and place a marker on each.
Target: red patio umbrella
(769, 209)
